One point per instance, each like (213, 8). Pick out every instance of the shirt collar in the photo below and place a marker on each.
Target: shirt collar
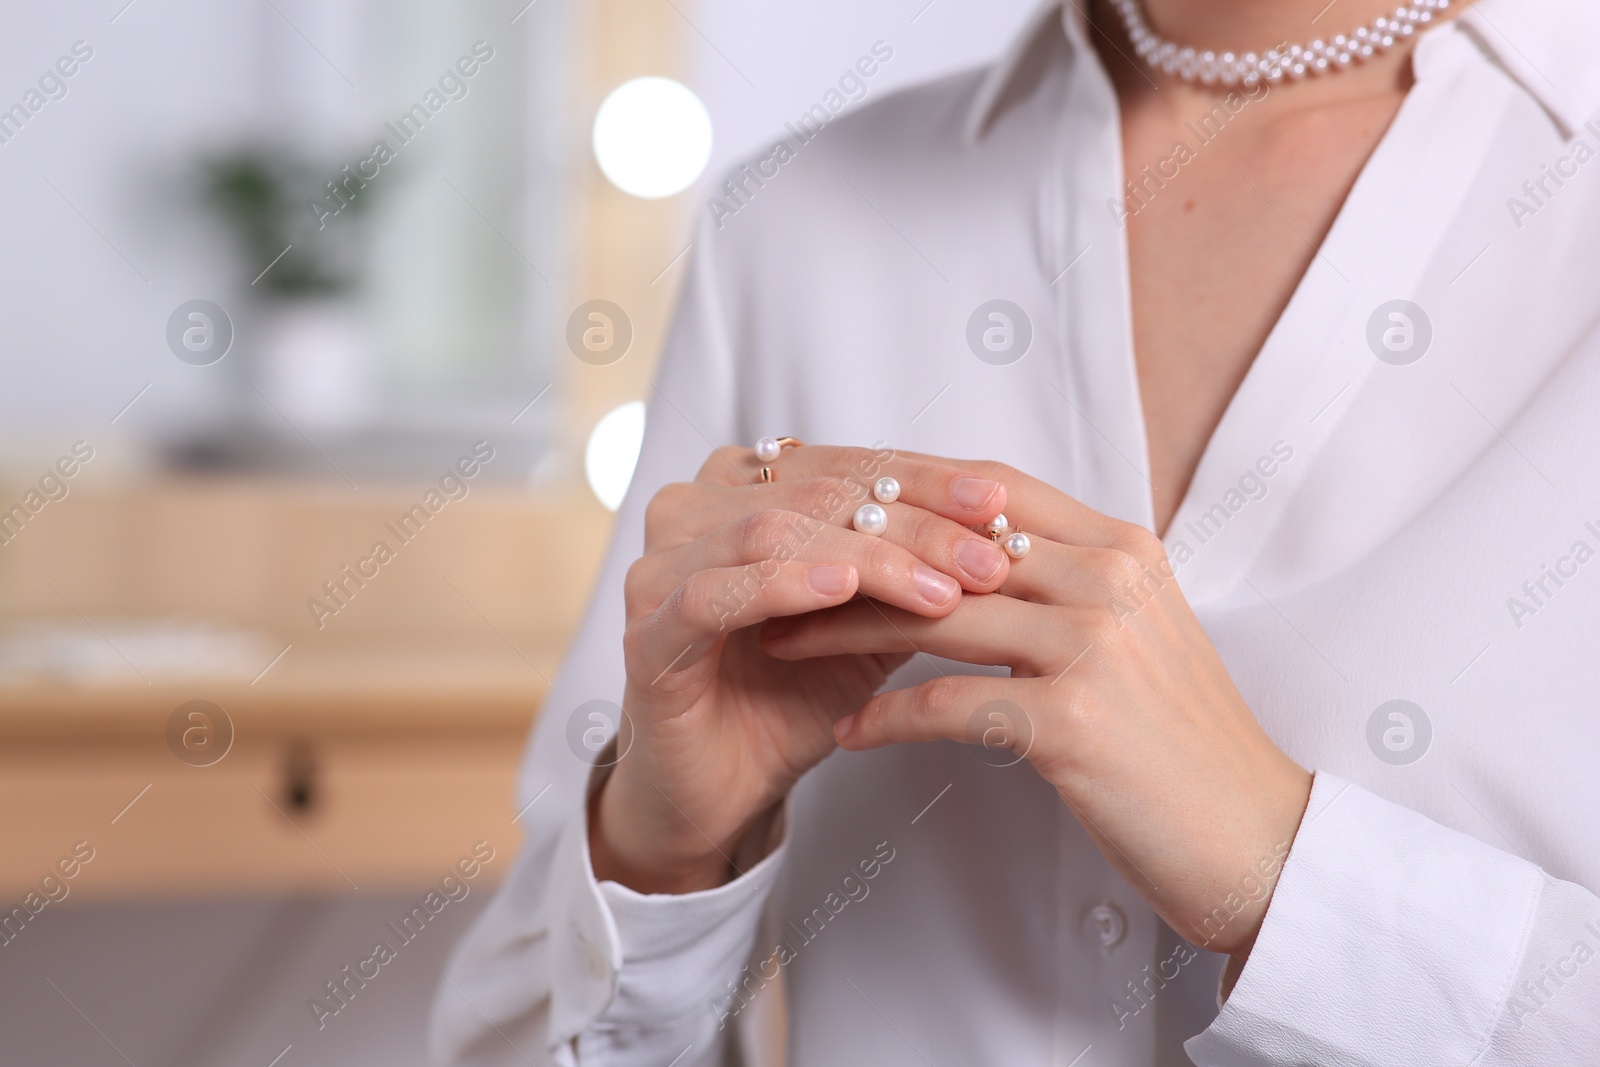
(1547, 46)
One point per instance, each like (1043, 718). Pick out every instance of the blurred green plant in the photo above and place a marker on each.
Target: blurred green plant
(262, 195)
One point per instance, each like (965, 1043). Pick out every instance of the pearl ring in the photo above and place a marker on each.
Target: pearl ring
(871, 519)
(767, 450)
(1016, 544)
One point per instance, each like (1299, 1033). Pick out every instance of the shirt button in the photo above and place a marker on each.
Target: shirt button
(1106, 924)
(592, 961)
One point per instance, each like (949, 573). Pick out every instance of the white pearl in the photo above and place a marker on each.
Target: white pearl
(871, 519)
(1017, 545)
(998, 525)
(887, 490)
(767, 449)
(1294, 61)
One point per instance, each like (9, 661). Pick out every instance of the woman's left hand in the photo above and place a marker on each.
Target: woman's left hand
(1116, 697)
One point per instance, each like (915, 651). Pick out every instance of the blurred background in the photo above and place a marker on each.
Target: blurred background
(327, 327)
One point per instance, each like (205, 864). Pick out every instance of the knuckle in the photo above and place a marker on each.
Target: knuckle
(911, 527)
(715, 467)
(662, 512)
(920, 530)
(864, 462)
(634, 585)
(941, 697)
(635, 643)
(809, 497)
(1124, 567)
(761, 533)
(828, 499)
(878, 559)
(694, 600)
(1102, 627)
(1137, 541)
(717, 600)
(1114, 570)
(1005, 472)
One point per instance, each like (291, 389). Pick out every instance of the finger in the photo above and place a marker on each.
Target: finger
(1039, 507)
(887, 571)
(711, 604)
(730, 465)
(1118, 580)
(971, 709)
(994, 630)
(938, 486)
(683, 513)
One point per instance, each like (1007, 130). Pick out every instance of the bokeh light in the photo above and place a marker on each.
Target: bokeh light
(613, 451)
(652, 137)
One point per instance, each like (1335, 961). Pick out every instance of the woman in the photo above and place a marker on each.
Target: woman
(1310, 778)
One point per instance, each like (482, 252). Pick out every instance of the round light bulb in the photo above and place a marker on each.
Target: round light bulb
(652, 137)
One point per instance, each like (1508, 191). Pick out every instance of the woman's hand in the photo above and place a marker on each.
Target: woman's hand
(1117, 698)
(719, 729)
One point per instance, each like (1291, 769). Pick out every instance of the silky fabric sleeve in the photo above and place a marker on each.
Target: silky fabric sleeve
(1391, 939)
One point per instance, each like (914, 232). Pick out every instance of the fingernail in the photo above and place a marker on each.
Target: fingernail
(842, 728)
(829, 579)
(934, 587)
(980, 559)
(973, 493)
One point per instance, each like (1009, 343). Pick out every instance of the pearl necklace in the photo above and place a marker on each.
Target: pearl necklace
(1294, 61)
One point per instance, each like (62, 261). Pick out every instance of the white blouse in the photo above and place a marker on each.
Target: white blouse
(1393, 539)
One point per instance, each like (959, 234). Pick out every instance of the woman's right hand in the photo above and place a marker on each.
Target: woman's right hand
(720, 731)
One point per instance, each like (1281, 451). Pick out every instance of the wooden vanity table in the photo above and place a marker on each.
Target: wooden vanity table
(370, 752)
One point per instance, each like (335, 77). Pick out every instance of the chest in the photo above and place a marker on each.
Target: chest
(1226, 204)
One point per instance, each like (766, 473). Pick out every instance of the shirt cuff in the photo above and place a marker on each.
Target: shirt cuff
(1389, 939)
(628, 960)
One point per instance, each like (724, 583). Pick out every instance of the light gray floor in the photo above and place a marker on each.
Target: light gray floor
(205, 983)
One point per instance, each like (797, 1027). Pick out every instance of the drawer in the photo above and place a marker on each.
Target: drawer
(285, 814)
